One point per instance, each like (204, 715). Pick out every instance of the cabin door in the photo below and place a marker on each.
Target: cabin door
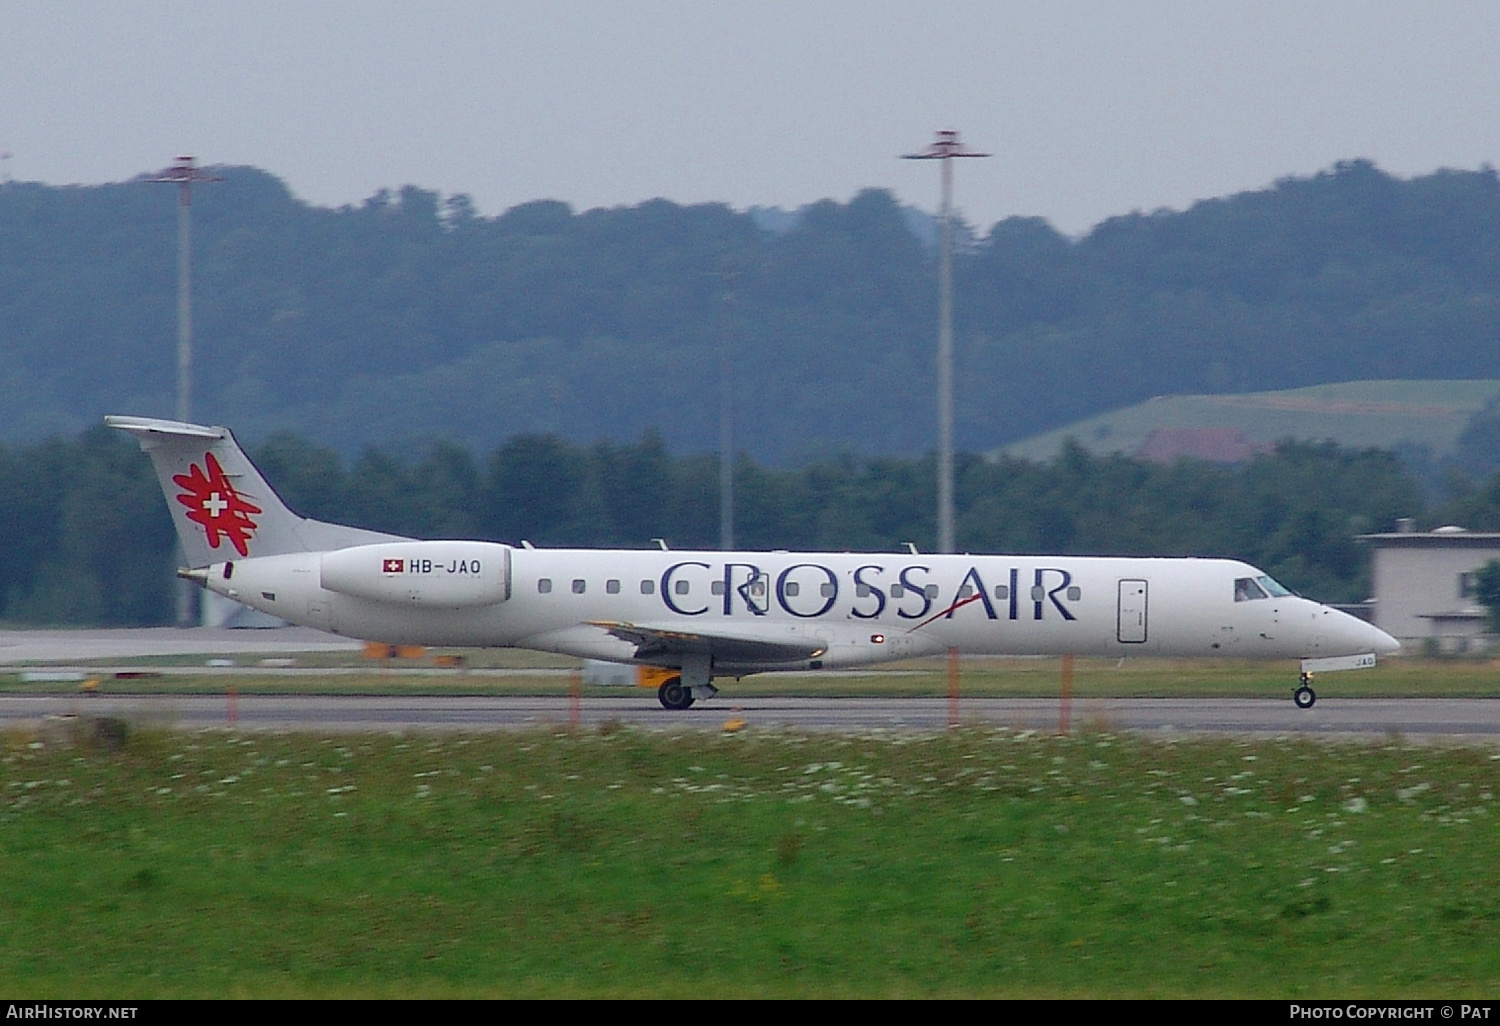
(1130, 624)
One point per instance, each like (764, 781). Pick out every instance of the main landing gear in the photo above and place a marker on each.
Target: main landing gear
(693, 681)
(673, 694)
(1304, 696)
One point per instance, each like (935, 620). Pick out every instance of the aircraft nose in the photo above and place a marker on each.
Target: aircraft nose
(1384, 644)
(1353, 635)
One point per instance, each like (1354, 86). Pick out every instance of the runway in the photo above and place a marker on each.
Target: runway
(1425, 718)
(19, 648)
(1369, 718)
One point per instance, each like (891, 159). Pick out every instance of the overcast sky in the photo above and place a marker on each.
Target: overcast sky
(1091, 109)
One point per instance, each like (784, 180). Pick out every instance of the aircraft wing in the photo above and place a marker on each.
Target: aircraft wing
(652, 642)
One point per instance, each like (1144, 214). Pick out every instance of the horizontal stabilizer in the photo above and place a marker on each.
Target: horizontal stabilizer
(222, 507)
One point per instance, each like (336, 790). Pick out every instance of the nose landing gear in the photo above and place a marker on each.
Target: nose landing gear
(1304, 696)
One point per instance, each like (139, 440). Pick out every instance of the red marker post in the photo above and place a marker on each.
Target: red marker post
(953, 687)
(1065, 702)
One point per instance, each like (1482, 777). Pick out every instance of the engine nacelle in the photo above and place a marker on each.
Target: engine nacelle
(438, 574)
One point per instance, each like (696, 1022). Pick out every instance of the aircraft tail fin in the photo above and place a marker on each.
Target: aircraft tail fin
(221, 505)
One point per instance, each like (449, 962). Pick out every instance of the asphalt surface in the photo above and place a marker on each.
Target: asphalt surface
(1426, 718)
(1452, 718)
(43, 646)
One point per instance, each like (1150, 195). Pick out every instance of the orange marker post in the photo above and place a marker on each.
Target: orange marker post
(953, 687)
(1065, 704)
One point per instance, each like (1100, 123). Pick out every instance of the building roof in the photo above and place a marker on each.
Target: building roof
(1456, 614)
(1448, 537)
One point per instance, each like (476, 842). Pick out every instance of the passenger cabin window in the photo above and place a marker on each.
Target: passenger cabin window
(648, 587)
(1002, 591)
(612, 586)
(827, 590)
(579, 586)
(681, 587)
(544, 585)
(792, 589)
(716, 587)
(967, 591)
(1246, 590)
(897, 591)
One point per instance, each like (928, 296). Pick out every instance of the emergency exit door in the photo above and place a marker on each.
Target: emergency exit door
(1130, 625)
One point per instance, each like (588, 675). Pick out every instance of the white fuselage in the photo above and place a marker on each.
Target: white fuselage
(844, 609)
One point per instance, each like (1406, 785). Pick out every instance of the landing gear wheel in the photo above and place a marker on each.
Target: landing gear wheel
(672, 695)
(1304, 696)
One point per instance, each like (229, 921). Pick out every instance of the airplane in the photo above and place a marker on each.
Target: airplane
(707, 615)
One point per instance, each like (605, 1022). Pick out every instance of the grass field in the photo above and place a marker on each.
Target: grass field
(1356, 414)
(624, 862)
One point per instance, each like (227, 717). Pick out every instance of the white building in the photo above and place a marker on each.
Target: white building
(1424, 587)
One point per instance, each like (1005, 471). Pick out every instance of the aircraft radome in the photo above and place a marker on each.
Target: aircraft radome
(710, 614)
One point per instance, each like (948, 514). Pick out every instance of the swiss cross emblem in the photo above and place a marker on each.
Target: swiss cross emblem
(393, 566)
(212, 502)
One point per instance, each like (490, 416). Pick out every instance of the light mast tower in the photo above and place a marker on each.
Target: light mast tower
(945, 148)
(184, 174)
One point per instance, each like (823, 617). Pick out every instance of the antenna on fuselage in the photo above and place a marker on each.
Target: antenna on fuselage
(661, 543)
(912, 548)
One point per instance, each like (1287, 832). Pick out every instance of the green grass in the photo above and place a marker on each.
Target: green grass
(1356, 414)
(624, 862)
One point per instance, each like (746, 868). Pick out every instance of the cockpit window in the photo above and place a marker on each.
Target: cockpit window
(1245, 589)
(1274, 587)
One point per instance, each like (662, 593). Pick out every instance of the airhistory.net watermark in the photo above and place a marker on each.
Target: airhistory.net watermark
(46, 1010)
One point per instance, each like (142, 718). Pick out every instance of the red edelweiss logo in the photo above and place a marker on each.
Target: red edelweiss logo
(212, 501)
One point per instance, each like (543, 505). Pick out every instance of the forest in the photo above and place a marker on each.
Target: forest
(413, 317)
(555, 375)
(89, 542)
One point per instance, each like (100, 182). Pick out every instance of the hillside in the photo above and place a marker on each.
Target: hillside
(1400, 415)
(412, 317)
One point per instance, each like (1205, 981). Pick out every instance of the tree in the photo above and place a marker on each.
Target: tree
(1487, 591)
